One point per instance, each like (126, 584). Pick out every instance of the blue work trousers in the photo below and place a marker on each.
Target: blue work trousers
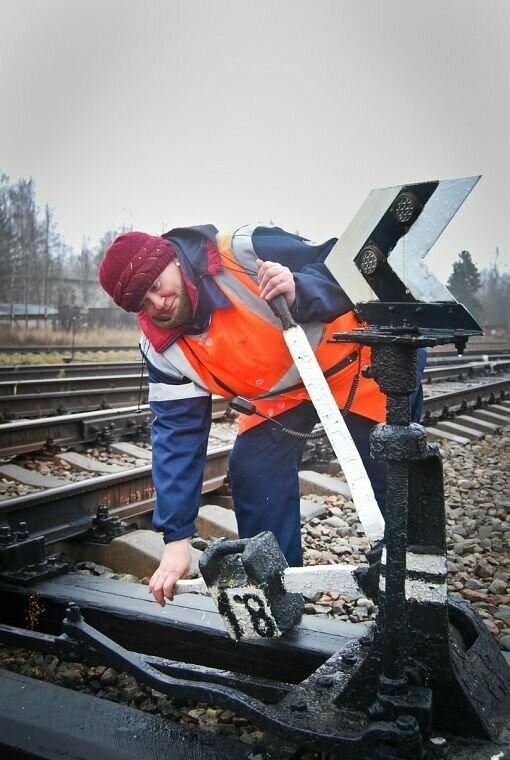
(264, 470)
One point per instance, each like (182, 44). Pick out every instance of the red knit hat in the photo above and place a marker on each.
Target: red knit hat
(130, 266)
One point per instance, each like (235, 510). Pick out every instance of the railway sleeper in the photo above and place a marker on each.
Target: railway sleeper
(41, 720)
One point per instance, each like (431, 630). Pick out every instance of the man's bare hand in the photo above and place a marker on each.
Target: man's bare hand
(175, 564)
(275, 280)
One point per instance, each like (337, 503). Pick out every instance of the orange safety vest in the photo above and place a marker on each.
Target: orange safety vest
(243, 351)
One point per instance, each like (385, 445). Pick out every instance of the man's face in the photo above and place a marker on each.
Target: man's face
(167, 301)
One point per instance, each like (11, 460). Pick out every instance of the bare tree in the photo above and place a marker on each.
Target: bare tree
(495, 295)
(35, 263)
(6, 238)
(85, 262)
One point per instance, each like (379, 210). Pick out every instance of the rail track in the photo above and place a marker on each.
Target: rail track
(100, 427)
(83, 428)
(60, 508)
(16, 372)
(471, 397)
(42, 397)
(26, 394)
(67, 509)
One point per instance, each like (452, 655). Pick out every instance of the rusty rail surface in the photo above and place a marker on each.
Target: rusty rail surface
(67, 511)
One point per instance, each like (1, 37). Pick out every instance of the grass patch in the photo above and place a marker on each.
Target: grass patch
(24, 339)
(40, 336)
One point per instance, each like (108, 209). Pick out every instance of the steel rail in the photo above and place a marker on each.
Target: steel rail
(439, 360)
(482, 345)
(16, 372)
(445, 405)
(67, 511)
(45, 397)
(16, 387)
(35, 405)
(28, 436)
(61, 431)
(467, 369)
(64, 349)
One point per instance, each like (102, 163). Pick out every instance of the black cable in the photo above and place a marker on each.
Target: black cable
(353, 389)
(244, 406)
(313, 436)
(139, 409)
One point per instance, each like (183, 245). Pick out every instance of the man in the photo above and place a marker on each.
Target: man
(202, 299)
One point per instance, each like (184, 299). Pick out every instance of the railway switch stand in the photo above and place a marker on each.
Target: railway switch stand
(427, 650)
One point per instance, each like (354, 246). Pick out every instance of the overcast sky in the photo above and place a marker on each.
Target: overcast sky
(175, 112)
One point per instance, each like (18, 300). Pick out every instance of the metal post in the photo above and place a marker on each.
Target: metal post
(394, 368)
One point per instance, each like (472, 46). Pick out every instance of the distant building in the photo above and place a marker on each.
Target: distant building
(83, 293)
(65, 317)
(29, 315)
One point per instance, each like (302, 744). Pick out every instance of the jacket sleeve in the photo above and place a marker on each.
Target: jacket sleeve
(180, 433)
(319, 297)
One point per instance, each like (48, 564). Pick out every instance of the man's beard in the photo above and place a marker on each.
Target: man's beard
(183, 314)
